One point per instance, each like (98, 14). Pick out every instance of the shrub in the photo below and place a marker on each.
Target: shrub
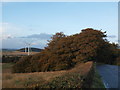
(63, 52)
(74, 78)
(10, 59)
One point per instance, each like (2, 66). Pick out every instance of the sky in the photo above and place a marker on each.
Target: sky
(36, 22)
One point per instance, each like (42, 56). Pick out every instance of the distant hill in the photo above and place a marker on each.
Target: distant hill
(31, 49)
(6, 50)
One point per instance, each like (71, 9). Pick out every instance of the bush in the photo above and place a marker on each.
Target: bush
(69, 80)
(73, 78)
(22, 65)
(10, 59)
(63, 52)
(118, 60)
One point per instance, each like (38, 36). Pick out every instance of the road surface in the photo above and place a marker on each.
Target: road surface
(109, 74)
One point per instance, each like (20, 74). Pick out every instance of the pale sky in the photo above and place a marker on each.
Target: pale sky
(35, 22)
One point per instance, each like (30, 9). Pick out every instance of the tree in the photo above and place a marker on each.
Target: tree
(63, 52)
(54, 40)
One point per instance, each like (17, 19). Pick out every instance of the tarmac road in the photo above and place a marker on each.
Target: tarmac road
(109, 74)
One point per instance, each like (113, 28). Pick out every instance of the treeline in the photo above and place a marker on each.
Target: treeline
(31, 49)
(10, 58)
(63, 52)
(117, 61)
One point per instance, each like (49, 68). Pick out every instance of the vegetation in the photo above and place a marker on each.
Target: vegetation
(10, 59)
(14, 56)
(73, 78)
(31, 49)
(117, 61)
(7, 67)
(64, 52)
(97, 80)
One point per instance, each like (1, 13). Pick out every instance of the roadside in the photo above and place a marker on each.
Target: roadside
(97, 80)
(73, 78)
(109, 74)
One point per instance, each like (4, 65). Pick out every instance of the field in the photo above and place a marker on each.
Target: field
(23, 80)
(1, 76)
(13, 56)
(48, 79)
(16, 53)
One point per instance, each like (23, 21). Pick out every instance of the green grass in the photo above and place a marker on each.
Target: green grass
(7, 65)
(118, 63)
(97, 81)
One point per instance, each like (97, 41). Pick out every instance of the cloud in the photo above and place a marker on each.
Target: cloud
(12, 36)
(111, 36)
(36, 40)
(13, 29)
(21, 42)
(6, 37)
(3, 29)
(42, 36)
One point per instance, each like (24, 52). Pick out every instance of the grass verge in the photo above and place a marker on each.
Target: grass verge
(7, 65)
(72, 78)
(97, 80)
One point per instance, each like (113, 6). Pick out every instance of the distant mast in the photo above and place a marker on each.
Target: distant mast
(28, 50)
(28, 47)
(25, 49)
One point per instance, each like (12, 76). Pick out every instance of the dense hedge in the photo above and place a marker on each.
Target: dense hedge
(88, 78)
(72, 79)
(10, 59)
(63, 52)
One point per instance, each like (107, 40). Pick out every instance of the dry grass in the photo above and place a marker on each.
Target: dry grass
(82, 67)
(27, 79)
(16, 53)
(1, 76)
(7, 67)
(22, 80)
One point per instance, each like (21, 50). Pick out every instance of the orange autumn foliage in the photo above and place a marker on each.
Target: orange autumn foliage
(64, 52)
